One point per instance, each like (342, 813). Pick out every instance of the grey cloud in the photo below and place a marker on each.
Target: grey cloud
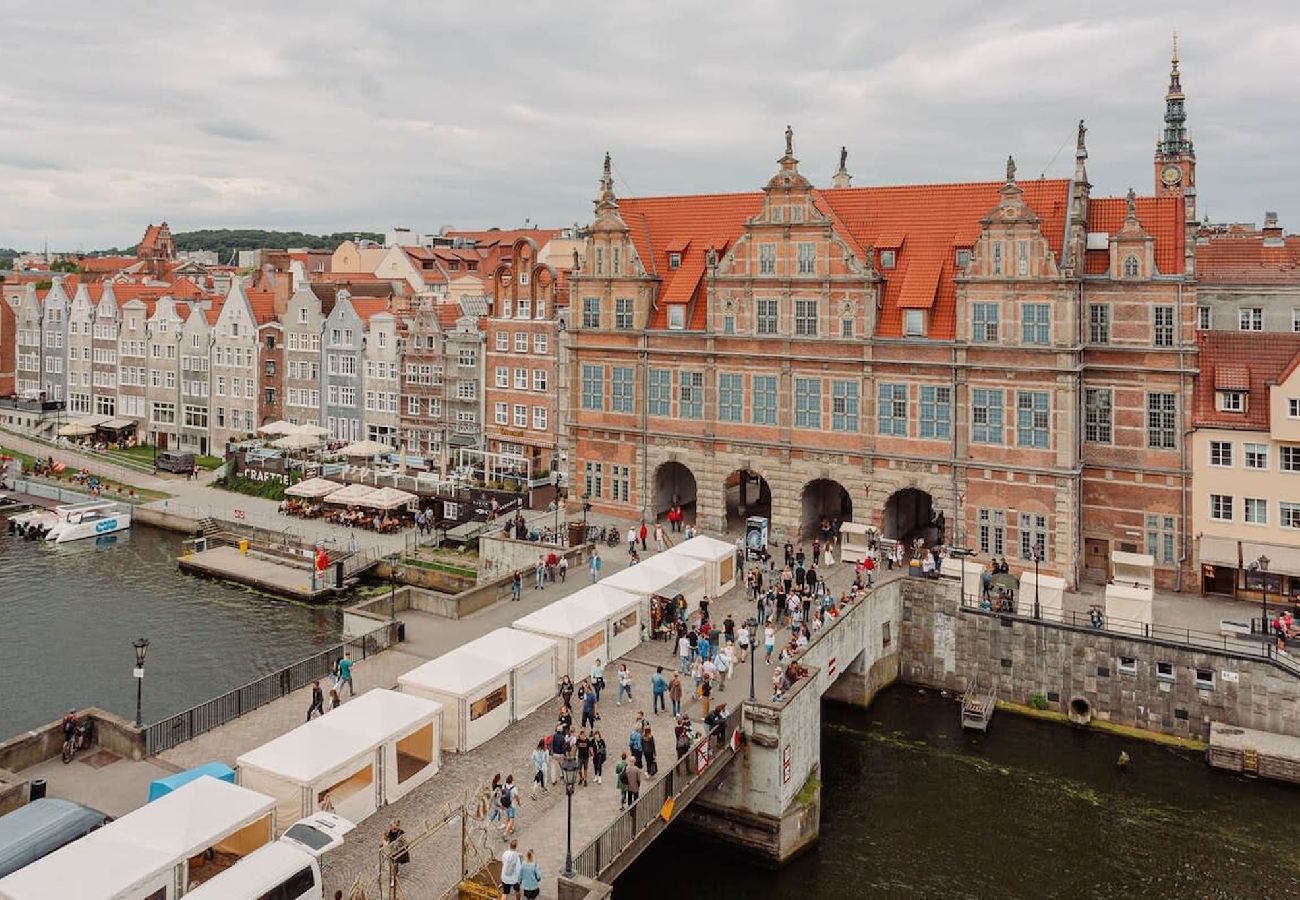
(235, 131)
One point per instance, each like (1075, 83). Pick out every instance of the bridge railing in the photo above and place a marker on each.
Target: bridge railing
(211, 714)
(1244, 645)
(708, 755)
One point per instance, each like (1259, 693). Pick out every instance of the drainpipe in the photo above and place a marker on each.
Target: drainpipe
(645, 425)
(1182, 452)
(1080, 318)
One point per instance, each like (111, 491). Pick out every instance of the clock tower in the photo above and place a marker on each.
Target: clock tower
(1175, 162)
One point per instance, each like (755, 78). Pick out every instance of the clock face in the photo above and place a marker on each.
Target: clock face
(1171, 175)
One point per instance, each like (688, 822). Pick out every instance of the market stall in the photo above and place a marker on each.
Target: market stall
(1047, 590)
(157, 852)
(719, 558)
(406, 730)
(486, 685)
(855, 541)
(622, 613)
(580, 630)
(970, 573)
(662, 575)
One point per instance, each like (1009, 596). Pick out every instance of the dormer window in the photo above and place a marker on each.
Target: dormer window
(963, 257)
(674, 260)
(888, 258)
(1131, 267)
(1232, 401)
(677, 316)
(914, 322)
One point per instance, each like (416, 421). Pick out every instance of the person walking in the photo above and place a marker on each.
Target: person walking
(317, 701)
(632, 777)
(599, 752)
(658, 688)
(643, 532)
(769, 641)
(582, 746)
(559, 747)
(530, 876)
(684, 653)
(598, 678)
(659, 537)
(539, 767)
(395, 845)
(634, 743)
(494, 804)
(675, 694)
(345, 674)
(510, 805)
(516, 585)
(539, 573)
(589, 712)
(624, 685)
(648, 752)
(631, 539)
(742, 641)
(722, 662)
(620, 776)
(511, 866)
(594, 565)
(706, 693)
(564, 576)
(335, 701)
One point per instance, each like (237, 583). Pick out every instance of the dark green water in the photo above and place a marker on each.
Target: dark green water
(69, 613)
(912, 807)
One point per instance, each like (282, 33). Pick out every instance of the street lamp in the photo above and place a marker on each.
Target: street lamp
(752, 624)
(570, 768)
(393, 575)
(586, 505)
(141, 646)
(1262, 565)
(1038, 557)
(555, 479)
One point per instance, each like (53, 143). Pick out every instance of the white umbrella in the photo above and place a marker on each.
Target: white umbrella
(280, 426)
(296, 441)
(387, 498)
(313, 488)
(353, 494)
(76, 429)
(366, 448)
(311, 429)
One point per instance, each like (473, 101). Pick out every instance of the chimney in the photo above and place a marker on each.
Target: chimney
(1272, 231)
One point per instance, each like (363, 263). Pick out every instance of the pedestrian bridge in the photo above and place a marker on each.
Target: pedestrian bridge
(756, 784)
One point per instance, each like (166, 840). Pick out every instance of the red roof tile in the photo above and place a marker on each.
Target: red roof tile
(1236, 258)
(366, 307)
(1161, 217)
(447, 314)
(263, 305)
(1231, 360)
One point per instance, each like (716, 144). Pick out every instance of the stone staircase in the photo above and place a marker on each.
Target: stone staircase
(208, 526)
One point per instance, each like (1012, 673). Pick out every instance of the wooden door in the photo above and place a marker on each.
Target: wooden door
(1096, 560)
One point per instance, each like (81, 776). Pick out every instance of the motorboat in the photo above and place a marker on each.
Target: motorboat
(89, 521)
(33, 523)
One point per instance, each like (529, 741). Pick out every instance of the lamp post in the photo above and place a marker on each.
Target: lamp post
(586, 505)
(393, 575)
(570, 768)
(556, 477)
(1038, 557)
(1262, 565)
(141, 646)
(752, 624)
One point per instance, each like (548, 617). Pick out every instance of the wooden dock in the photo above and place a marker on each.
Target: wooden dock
(283, 577)
(1258, 754)
(977, 711)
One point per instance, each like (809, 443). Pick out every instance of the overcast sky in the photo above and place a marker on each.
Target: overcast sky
(321, 116)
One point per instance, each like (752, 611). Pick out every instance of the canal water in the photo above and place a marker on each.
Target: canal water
(68, 616)
(912, 807)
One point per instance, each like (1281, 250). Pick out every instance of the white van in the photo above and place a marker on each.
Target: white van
(287, 869)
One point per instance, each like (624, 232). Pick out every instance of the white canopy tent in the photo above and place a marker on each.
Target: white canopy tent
(366, 448)
(487, 684)
(388, 498)
(663, 575)
(407, 732)
(855, 541)
(719, 558)
(1135, 569)
(76, 429)
(148, 851)
(580, 630)
(622, 612)
(279, 427)
(313, 488)
(350, 495)
(1051, 596)
(296, 441)
(972, 587)
(1128, 609)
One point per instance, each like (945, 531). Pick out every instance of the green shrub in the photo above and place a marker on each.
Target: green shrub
(268, 490)
(1038, 701)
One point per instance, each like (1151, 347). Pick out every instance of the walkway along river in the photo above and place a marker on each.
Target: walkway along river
(912, 807)
(70, 614)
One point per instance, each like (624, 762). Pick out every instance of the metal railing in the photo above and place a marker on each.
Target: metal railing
(197, 720)
(595, 859)
(1252, 646)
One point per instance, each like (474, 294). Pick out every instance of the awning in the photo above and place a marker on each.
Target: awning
(1217, 551)
(1281, 560)
(116, 424)
(93, 421)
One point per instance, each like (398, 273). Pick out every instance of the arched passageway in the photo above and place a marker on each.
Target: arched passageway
(746, 494)
(910, 514)
(824, 498)
(674, 484)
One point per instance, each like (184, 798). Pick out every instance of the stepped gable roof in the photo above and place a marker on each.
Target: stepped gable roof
(925, 224)
(1240, 361)
(1236, 258)
(1161, 217)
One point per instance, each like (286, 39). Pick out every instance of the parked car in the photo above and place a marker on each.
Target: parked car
(175, 461)
(41, 827)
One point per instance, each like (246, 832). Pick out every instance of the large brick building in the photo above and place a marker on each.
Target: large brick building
(1004, 365)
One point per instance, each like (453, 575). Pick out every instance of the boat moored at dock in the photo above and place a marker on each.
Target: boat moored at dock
(71, 522)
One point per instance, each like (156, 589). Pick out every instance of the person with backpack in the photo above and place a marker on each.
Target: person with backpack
(589, 714)
(634, 743)
(494, 810)
(658, 689)
(598, 754)
(559, 746)
(530, 876)
(509, 806)
(539, 767)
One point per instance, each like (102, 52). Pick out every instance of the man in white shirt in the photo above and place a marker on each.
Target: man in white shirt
(684, 654)
(511, 870)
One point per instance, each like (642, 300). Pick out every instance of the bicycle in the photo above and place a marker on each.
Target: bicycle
(78, 740)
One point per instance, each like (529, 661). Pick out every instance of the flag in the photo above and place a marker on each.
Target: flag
(666, 812)
(735, 739)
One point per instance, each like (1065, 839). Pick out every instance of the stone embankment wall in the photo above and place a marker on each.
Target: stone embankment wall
(500, 556)
(1146, 684)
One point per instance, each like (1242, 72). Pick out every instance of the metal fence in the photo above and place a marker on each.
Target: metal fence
(1255, 646)
(214, 713)
(594, 860)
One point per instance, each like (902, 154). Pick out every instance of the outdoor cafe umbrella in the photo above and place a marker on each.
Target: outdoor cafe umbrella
(351, 495)
(76, 429)
(387, 498)
(366, 448)
(312, 429)
(313, 488)
(280, 427)
(296, 441)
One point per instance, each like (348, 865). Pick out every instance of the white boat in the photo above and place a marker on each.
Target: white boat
(88, 520)
(33, 523)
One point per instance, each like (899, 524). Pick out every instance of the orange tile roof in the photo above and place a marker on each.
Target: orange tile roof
(105, 265)
(1232, 360)
(1236, 258)
(921, 285)
(1161, 217)
(263, 305)
(540, 236)
(447, 314)
(365, 307)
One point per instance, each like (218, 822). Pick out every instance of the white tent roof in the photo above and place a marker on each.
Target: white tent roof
(567, 617)
(310, 750)
(366, 448)
(383, 713)
(178, 825)
(313, 487)
(352, 494)
(703, 547)
(296, 441)
(610, 600)
(655, 574)
(480, 662)
(388, 498)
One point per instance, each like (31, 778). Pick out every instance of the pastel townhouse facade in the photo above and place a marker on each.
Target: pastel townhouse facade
(233, 412)
(343, 342)
(1245, 458)
(27, 344)
(196, 394)
(163, 395)
(381, 385)
(303, 323)
(1003, 365)
(463, 350)
(133, 364)
(81, 323)
(1248, 278)
(270, 393)
(423, 392)
(54, 337)
(103, 353)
